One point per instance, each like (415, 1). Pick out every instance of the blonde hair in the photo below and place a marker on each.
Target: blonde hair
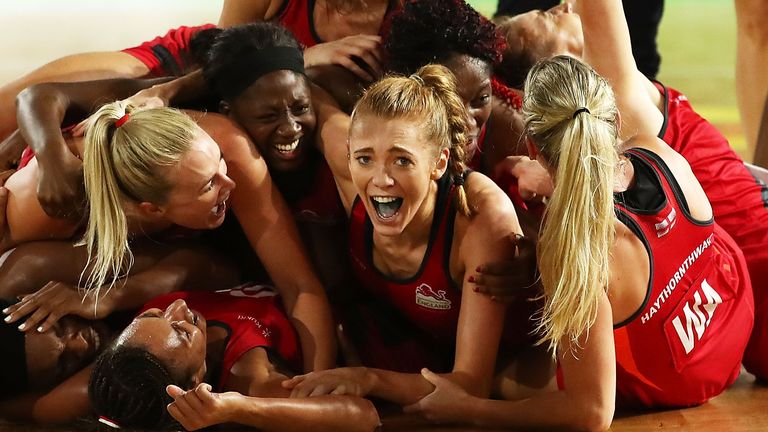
(581, 146)
(429, 97)
(122, 163)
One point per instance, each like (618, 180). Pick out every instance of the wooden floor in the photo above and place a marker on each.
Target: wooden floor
(744, 407)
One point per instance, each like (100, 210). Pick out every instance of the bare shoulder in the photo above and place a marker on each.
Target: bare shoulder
(492, 211)
(231, 138)
(674, 160)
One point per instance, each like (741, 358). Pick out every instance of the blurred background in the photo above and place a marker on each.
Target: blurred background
(697, 41)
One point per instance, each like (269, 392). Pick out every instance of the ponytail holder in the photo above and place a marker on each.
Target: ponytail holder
(105, 420)
(458, 180)
(581, 110)
(121, 121)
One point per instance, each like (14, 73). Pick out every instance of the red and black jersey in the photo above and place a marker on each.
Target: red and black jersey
(320, 202)
(738, 201)
(253, 317)
(429, 301)
(684, 344)
(297, 16)
(168, 55)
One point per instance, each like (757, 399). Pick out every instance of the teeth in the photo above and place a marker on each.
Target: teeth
(384, 200)
(287, 148)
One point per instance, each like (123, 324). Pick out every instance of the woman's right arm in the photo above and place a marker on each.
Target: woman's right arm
(269, 226)
(608, 50)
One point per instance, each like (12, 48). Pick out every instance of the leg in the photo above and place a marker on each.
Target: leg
(643, 17)
(76, 67)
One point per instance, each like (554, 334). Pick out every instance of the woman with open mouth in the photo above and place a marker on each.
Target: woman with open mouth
(420, 227)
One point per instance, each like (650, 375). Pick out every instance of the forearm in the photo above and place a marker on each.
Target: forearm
(552, 410)
(397, 387)
(319, 414)
(310, 315)
(40, 110)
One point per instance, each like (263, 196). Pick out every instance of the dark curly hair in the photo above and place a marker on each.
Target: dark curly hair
(127, 386)
(232, 43)
(430, 31)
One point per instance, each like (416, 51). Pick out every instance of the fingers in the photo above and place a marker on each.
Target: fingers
(293, 382)
(350, 64)
(430, 376)
(174, 391)
(79, 129)
(414, 408)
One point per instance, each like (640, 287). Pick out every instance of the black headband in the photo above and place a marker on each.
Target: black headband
(14, 378)
(241, 73)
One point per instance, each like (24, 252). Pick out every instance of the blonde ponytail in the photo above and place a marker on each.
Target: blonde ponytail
(570, 116)
(430, 96)
(125, 149)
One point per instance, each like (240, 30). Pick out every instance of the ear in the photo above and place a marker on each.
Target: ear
(442, 164)
(533, 152)
(151, 210)
(198, 376)
(224, 107)
(618, 122)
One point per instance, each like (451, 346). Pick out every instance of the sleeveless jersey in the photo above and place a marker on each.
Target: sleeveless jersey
(297, 16)
(320, 202)
(684, 344)
(167, 55)
(252, 316)
(737, 200)
(429, 300)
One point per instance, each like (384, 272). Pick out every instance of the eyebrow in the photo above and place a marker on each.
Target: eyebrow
(395, 149)
(221, 157)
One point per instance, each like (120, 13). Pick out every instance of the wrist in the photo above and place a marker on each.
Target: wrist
(237, 407)
(370, 380)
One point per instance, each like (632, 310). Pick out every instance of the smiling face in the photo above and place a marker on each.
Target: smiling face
(176, 336)
(394, 169)
(473, 84)
(201, 187)
(58, 353)
(277, 113)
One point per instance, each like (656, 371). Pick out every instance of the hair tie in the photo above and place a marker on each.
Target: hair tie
(111, 423)
(581, 110)
(121, 121)
(458, 180)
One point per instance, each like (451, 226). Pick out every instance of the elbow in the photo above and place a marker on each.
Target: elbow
(366, 418)
(596, 417)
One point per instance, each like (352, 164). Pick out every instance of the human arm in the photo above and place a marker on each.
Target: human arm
(64, 403)
(236, 12)
(269, 226)
(158, 269)
(587, 401)
(256, 398)
(41, 110)
(761, 147)
(607, 48)
(332, 141)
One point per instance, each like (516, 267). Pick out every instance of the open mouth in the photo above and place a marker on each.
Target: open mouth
(220, 207)
(287, 149)
(386, 206)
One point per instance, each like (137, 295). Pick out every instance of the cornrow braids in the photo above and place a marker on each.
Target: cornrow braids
(127, 386)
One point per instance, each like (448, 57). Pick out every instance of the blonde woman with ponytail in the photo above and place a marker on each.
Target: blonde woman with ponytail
(647, 300)
(420, 226)
(145, 171)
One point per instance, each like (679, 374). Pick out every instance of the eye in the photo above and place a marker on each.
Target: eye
(209, 186)
(301, 109)
(363, 160)
(181, 331)
(266, 118)
(482, 100)
(403, 161)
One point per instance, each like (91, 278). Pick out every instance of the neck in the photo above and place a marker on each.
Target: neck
(216, 343)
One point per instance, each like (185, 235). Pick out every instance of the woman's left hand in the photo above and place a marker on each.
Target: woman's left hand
(351, 381)
(200, 407)
(50, 303)
(447, 403)
(509, 281)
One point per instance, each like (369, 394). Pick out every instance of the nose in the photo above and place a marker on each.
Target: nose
(178, 311)
(77, 344)
(288, 127)
(381, 178)
(227, 184)
(562, 8)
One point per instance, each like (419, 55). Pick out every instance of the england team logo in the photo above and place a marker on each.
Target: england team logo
(429, 298)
